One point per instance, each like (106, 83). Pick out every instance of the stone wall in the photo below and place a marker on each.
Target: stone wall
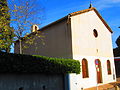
(31, 82)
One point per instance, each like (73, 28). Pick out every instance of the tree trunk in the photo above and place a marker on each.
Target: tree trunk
(20, 48)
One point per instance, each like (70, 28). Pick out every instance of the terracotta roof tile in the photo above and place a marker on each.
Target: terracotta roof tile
(90, 9)
(82, 11)
(73, 14)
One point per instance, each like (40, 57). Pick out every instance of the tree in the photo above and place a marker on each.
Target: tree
(118, 41)
(117, 50)
(24, 14)
(6, 32)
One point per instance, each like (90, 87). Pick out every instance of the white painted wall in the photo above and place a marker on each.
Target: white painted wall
(92, 80)
(85, 45)
(83, 40)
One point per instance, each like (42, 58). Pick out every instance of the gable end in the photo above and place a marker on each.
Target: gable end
(90, 9)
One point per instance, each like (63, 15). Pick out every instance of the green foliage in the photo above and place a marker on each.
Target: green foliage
(62, 65)
(118, 41)
(117, 68)
(24, 14)
(6, 32)
(117, 50)
(18, 63)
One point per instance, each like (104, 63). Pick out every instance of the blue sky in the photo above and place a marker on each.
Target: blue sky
(109, 9)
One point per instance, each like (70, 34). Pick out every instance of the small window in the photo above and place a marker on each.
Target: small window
(108, 67)
(85, 68)
(95, 33)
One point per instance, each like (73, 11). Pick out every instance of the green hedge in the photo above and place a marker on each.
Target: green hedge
(18, 63)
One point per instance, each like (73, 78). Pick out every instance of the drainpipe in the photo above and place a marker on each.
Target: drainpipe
(66, 82)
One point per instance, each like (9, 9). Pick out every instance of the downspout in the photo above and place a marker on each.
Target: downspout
(69, 19)
(67, 76)
(66, 81)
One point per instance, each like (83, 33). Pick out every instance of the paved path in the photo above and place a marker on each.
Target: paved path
(109, 86)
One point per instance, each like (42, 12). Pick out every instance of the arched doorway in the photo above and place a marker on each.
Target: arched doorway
(85, 73)
(98, 70)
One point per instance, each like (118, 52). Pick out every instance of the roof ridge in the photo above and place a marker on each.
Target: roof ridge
(73, 14)
(90, 9)
(82, 11)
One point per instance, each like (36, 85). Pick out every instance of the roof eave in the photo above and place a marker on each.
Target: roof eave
(73, 14)
(90, 9)
(41, 29)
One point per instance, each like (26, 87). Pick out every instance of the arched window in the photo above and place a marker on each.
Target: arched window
(85, 68)
(108, 67)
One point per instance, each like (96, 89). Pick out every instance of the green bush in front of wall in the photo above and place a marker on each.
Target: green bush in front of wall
(61, 65)
(18, 63)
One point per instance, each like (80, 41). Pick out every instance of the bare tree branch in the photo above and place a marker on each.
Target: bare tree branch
(24, 13)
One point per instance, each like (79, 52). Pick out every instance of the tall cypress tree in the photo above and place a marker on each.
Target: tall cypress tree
(6, 32)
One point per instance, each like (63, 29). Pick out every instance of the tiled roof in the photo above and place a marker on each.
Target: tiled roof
(73, 14)
(82, 11)
(90, 9)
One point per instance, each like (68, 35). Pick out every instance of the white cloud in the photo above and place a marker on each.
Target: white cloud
(101, 4)
(115, 1)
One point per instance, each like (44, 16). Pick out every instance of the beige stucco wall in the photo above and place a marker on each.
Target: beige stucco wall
(85, 45)
(57, 39)
(83, 40)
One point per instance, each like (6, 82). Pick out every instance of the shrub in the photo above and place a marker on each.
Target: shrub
(18, 63)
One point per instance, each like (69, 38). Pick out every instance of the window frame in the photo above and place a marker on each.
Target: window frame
(85, 71)
(109, 67)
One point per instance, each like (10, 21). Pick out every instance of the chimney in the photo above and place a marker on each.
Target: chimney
(34, 28)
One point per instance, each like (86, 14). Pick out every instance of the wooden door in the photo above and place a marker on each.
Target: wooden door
(98, 71)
